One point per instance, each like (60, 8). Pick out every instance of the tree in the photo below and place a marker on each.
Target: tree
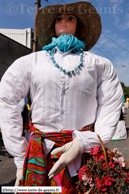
(125, 90)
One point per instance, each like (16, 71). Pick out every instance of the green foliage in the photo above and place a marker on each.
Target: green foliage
(125, 90)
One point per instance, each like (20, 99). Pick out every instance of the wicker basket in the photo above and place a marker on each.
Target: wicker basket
(105, 156)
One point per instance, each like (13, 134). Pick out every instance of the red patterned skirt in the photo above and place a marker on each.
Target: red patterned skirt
(36, 166)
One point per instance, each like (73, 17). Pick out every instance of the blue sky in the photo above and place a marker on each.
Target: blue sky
(20, 14)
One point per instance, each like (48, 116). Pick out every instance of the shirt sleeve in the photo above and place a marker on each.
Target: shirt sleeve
(109, 100)
(13, 87)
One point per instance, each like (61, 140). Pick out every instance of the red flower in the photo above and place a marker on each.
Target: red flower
(99, 157)
(127, 178)
(105, 189)
(96, 158)
(102, 184)
(95, 151)
(82, 171)
(108, 180)
(104, 165)
(111, 164)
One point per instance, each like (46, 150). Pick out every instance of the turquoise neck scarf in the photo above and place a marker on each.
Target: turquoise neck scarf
(65, 43)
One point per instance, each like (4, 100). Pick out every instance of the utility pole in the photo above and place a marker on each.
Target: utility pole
(38, 5)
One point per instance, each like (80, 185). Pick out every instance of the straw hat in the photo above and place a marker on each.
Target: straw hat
(85, 11)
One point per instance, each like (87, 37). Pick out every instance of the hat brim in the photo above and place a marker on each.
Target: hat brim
(85, 11)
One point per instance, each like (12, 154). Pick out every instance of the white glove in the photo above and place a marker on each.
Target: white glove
(69, 153)
(18, 176)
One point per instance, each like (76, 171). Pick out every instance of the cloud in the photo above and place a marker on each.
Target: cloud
(121, 20)
(119, 9)
(119, 23)
(100, 3)
(114, 1)
(117, 60)
(117, 3)
(107, 48)
(109, 2)
(127, 14)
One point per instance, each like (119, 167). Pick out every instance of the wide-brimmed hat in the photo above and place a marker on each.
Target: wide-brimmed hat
(85, 11)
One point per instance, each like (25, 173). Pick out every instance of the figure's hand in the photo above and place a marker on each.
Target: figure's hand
(69, 153)
(18, 177)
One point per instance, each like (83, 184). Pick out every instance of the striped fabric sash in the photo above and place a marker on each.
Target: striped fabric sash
(34, 169)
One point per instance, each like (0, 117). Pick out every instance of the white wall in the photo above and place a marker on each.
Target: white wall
(24, 36)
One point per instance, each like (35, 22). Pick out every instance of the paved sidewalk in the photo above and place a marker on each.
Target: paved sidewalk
(122, 145)
(8, 169)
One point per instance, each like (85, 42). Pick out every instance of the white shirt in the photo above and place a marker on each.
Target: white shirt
(59, 101)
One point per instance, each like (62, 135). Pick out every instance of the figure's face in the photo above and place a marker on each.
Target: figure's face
(65, 23)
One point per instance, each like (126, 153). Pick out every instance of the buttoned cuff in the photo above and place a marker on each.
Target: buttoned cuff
(87, 140)
(19, 162)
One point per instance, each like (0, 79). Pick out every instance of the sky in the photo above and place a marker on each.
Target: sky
(113, 42)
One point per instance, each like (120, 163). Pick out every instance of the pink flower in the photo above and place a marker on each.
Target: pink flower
(115, 159)
(83, 176)
(121, 161)
(82, 172)
(116, 152)
(86, 179)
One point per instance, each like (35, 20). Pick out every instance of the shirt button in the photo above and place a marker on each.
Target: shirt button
(62, 112)
(63, 91)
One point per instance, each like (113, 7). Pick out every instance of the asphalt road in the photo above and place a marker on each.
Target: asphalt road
(122, 145)
(8, 168)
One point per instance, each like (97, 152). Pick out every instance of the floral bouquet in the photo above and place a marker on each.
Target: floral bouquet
(105, 172)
